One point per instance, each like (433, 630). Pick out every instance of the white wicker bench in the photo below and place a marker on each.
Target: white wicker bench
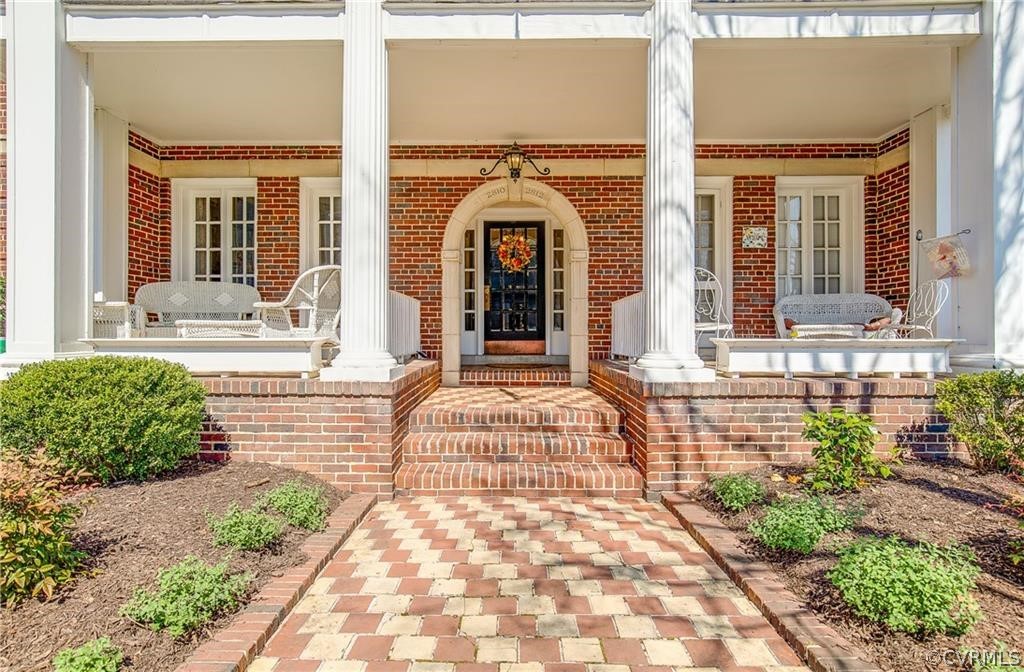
(817, 312)
(170, 302)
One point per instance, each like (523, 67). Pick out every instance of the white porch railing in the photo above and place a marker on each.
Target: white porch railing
(628, 326)
(404, 328)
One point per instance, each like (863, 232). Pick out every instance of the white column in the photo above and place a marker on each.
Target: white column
(669, 343)
(364, 201)
(110, 207)
(49, 141)
(988, 103)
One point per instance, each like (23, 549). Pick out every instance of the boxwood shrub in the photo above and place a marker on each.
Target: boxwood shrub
(986, 412)
(117, 418)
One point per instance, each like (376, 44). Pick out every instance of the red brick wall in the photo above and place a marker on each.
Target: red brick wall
(611, 208)
(753, 270)
(345, 433)
(685, 433)
(3, 179)
(149, 229)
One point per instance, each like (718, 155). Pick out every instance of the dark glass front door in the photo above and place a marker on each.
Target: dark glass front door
(513, 298)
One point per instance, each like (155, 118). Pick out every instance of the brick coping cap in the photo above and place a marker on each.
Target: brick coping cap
(618, 373)
(817, 643)
(415, 371)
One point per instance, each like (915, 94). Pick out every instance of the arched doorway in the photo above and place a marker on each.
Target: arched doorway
(490, 195)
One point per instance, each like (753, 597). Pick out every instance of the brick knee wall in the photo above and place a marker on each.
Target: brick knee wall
(342, 432)
(684, 433)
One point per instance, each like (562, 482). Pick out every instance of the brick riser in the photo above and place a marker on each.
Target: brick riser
(490, 377)
(519, 480)
(530, 442)
(540, 447)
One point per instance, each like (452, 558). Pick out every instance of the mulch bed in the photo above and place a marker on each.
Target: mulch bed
(130, 531)
(937, 502)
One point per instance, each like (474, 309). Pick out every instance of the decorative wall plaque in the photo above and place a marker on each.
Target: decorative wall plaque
(755, 236)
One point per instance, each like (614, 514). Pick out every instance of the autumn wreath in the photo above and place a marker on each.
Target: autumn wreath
(514, 252)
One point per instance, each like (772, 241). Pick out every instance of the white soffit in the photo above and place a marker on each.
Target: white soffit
(270, 94)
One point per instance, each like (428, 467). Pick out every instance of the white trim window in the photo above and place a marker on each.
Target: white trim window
(214, 230)
(819, 236)
(320, 215)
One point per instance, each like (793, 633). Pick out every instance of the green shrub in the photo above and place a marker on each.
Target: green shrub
(117, 418)
(248, 530)
(844, 456)
(737, 491)
(302, 505)
(986, 413)
(919, 588)
(99, 655)
(799, 524)
(188, 595)
(36, 553)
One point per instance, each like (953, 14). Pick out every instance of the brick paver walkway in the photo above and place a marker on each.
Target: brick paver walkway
(466, 584)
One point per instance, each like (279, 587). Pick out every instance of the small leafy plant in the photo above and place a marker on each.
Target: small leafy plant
(920, 588)
(189, 595)
(1017, 550)
(986, 413)
(36, 553)
(301, 505)
(799, 524)
(99, 655)
(844, 456)
(737, 491)
(247, 530)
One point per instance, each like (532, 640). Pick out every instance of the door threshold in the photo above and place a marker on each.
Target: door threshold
(484, 360)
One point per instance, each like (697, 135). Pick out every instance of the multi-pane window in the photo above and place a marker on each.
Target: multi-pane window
(811, 243)
(469, 280)
(328, 230)
(223, 245)
(558, 280)
(704, 231)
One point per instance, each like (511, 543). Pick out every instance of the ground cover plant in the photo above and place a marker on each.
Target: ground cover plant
(98, 655)
(188, 595)
(302, 505)
(799, 524)
(115, 417)
(245, 529)
(915, 588)
(736, 492)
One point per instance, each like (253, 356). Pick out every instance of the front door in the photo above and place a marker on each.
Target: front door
(514, 288)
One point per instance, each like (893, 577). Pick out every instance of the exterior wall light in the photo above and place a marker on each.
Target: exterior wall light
(515, 158)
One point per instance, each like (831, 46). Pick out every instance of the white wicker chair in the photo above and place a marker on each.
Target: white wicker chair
(839, 310)
(315, 297)
(710, 315)
(922, 310)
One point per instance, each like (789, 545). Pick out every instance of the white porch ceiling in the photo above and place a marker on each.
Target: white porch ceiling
(579, 91)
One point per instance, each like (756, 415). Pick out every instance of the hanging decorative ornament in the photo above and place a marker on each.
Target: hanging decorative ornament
(514, 252)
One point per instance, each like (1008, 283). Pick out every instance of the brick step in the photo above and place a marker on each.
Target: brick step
(549, 376)
(492, 409)
(547, 447)
(519, 480)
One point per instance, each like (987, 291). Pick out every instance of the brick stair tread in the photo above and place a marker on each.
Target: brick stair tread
(589, 480)
(589, 447)
(549, 409)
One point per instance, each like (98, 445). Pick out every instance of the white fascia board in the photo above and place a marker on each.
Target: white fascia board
(517, 25)
(92, 29)
(941, 23)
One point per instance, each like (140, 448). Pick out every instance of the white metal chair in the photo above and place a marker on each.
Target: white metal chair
(315, 297)
(710, 317)
(922, 310)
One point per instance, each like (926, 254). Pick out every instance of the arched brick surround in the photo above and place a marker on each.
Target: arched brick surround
(489, 195)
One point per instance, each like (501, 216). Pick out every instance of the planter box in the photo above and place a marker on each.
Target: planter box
(818, 356)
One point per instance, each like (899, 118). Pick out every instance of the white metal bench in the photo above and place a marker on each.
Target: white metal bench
(819, 315)
(170, 302)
